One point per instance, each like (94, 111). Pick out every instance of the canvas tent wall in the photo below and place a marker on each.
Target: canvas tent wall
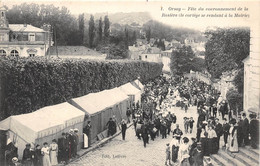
(133, 92)
(101, 106)
(43, 125)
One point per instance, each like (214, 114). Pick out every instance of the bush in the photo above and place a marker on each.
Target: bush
(27, 84)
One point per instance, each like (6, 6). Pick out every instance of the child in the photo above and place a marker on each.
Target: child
(191, 124)
(186, 124)
(168, 154)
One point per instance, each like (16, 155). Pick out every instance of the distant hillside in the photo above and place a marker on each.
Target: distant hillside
(138, 18)
(162, 31)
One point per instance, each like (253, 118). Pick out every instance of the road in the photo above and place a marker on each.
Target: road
(131, 152)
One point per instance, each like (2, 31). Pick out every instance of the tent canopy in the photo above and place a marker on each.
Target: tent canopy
(129, 89)
(138, 84)
(54, 118)
(96, 102)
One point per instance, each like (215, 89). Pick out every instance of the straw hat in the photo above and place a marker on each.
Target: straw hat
(15, 159)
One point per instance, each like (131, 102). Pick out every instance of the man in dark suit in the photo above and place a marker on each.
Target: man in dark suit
(219, 131)
(226, 127)
(63, 145)
(245, 130)
(254, 131)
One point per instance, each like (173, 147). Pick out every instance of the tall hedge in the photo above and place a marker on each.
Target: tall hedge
(27, 84)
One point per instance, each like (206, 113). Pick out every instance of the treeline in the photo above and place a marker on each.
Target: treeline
(183, 60)
(27, 84)
(70, 30)
(162, 31)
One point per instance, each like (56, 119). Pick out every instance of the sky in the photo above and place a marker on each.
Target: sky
(157, 8)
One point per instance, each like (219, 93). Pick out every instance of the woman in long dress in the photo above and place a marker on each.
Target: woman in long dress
(54, 152)
(184, 153)
(232, 137)
(204, 141)
(211, 139)
(174, 145)
(46, 155)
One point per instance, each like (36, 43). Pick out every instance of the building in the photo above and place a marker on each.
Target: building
(135, 51)
(21, 39)
(252, 74)
(151, 54)
(166, 60)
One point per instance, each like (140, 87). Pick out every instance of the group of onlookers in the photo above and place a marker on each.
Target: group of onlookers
(56, 152)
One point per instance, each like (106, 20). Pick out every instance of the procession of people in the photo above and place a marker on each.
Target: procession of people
(154, 118)
(216, 124)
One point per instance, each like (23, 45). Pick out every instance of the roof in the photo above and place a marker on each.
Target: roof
(74, 51)
(129, 89)
(152, 50)
(49, 116)
(96, 102)
(42, 122)
(23, 28)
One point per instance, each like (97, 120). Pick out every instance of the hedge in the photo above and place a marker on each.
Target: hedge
(27, 84)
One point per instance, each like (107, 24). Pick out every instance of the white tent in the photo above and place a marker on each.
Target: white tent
(42, 125)
(132, 91)
(138, 85)
(101, 106)
(95, 102)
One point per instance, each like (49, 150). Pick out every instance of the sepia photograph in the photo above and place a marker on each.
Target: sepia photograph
(129, 83)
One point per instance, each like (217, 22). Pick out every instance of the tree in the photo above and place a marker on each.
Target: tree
(100, 29)
(198, 64)
(148, 34)
(134, 37)
(37, 15)
(239, 81)
(91, 31)
(107, 26)
(81, 28)
(118, 51)
(181, 60)
(235, 100)
(161, 45)
(126, 38)
(225, 49)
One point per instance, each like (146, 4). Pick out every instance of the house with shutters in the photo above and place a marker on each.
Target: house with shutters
(21, 39)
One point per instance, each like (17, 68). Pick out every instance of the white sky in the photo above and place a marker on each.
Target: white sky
(154, 8)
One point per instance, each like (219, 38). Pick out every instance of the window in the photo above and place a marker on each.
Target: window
(2, 37)
(31, 55)
(146, 56)
(31, 36)
(14, 53)
(140, 57)
(2, 14)
(2, 53)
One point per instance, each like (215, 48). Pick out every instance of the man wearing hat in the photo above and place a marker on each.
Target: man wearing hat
(219, 131)
(27, 155)
(76, 138)
(245, 129)
(63, 144)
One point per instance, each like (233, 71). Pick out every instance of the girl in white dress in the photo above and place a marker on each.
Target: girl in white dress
(46, 155)
(54, 152)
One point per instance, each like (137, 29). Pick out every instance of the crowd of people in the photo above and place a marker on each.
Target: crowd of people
(216, 120)
(152, 118)
(56, 152)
